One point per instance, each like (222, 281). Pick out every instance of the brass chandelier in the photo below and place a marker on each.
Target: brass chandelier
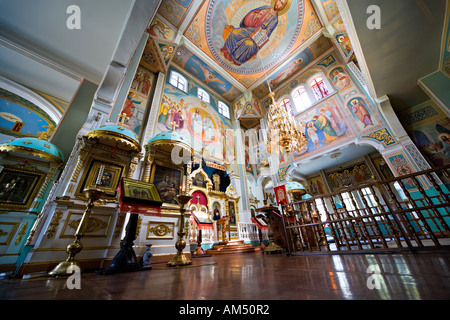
(283, 129)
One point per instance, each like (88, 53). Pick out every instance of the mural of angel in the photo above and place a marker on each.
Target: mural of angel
(241, 43)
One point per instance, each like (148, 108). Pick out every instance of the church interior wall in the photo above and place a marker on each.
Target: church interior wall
(215, 141)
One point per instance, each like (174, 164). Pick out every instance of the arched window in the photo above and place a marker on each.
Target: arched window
(319, 87)
(224, 109)
(286, 103)
(301, 99)
(202, 94)
(178, 81)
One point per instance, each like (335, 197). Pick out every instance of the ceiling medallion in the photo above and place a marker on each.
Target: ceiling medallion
(252, 31)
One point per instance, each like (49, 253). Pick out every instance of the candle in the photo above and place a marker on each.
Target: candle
(183, 186)
(100, 175)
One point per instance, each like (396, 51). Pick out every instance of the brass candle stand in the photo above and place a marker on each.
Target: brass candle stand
(64, 268)
(180, 258)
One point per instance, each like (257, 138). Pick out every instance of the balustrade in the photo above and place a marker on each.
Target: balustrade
(410, 212)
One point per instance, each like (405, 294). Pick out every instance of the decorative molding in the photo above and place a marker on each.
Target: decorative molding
(21, 233)
(160, 230)
(54, 224)
(382, 136)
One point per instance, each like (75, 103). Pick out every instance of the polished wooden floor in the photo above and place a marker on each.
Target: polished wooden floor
(257, 276)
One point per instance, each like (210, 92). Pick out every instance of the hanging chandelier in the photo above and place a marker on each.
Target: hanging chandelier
(283, 129)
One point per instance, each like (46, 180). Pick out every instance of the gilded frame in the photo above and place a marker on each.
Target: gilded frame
(112, 174)
(232, 212)
(167, 190)
(139, 190)
(19, 187)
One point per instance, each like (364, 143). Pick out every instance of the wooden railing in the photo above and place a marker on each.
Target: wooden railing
(410, 212)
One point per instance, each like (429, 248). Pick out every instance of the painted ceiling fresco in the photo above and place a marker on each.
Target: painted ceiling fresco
(293, 66)
(20, 117)
(248, 39)
(196, 67)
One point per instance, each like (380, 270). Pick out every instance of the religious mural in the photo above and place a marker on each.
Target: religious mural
(400, 165)
(161, 30)
(340, 79)
(331, 9)
(135, 105)
(316, 186)
(362, 114)
(429, 128)
(174, 11)
(248, 38)
(300, 61)
(350, 176)
(203, 72)
(323, 125)
(19, 117)
(197, 120)
(342, 41)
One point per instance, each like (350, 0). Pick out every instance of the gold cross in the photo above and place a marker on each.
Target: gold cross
(124, 119)
(44, 135)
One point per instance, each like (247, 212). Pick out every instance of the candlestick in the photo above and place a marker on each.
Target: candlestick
(179, 259)
(64, 267)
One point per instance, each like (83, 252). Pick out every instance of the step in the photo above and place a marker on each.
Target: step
(231, 247)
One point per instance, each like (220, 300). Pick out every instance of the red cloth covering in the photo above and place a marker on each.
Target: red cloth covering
(139, 208)
(202, 200)
(263, 228)
(201, 226)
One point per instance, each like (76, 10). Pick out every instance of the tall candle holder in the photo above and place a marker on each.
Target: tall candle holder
(65, 268)
(180, 259)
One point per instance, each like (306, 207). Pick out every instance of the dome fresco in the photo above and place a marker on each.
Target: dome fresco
(294, 185)
(34, 146)
(117, 129)
(115, 132)
(170, 136)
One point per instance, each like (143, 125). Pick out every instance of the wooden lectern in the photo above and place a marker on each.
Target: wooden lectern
(222, 223)
(277, 240)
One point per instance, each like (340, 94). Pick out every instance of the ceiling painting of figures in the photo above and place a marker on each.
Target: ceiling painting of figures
(248, 39)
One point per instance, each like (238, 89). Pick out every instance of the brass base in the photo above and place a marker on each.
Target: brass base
(179, 259)
(272, 247)
(64, 269)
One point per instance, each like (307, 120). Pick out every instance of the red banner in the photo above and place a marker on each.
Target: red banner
(280, 194)
(200, 225)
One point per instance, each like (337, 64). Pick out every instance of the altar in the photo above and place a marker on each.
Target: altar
(212, 203)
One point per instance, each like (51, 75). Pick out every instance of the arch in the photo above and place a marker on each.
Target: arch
(194, 181)
(45, 105)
